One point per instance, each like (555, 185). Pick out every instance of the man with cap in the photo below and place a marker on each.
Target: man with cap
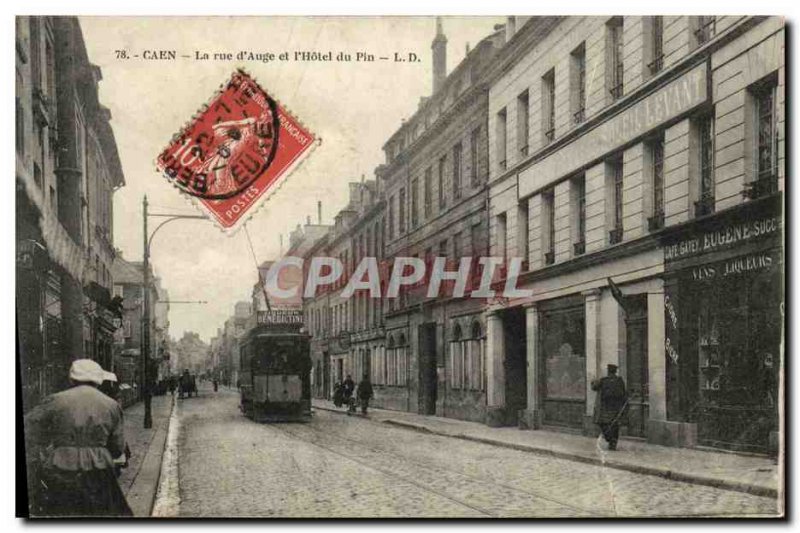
(72, 438)
(610, 405)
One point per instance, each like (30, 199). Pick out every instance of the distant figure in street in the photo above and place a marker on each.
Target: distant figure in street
(338, 394)
(364, 393)
(610, 406)
(348, 386)
(216, 384)
(72, 439)
(171, 385)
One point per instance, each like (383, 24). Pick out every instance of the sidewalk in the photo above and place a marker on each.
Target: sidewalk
(750, 474)
(140, 480)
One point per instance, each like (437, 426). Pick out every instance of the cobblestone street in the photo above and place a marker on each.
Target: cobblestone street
(339, 466)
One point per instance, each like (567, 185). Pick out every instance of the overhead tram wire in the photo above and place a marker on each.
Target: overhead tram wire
(260, 279)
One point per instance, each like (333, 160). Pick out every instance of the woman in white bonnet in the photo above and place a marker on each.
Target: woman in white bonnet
(72, 438)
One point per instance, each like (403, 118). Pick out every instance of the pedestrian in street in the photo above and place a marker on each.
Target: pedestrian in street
(216, 384)
(364, 393)
(611, 405)
(338, 394)
(348, 387)
(72, 438)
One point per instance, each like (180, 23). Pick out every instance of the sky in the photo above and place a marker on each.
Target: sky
(353, 107)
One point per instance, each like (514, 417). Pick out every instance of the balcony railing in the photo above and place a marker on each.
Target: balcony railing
(656, 64)
(503, 164)
(549, 258)
(656, 222)
(524, 151)
(706, 31)
(579, 247)
(579, 115)
(616, 91)
(615, 236)
(704, 206)
(763, 186)
(550, 135)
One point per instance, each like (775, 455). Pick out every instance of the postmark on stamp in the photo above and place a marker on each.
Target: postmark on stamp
(235, 152)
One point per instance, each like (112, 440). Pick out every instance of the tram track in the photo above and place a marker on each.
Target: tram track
(376, 458)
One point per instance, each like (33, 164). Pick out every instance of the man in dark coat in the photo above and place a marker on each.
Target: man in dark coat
(364, 393)
(348, 386)
(611, 405)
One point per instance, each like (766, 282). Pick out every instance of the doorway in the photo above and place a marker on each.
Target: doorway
(515, 362)
(426, 334)
(636, 359)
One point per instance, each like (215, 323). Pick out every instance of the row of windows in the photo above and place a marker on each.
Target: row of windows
(764, 181)
(614, 61)
(455, 162)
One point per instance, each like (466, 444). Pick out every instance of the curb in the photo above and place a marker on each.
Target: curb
(167, 496)
(756, 490)
(142, 493)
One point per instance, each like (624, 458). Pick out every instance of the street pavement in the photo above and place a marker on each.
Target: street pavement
(341, 466)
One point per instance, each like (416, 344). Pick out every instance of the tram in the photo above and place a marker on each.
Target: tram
(275, 368)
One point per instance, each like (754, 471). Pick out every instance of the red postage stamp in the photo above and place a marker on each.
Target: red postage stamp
(235, 152)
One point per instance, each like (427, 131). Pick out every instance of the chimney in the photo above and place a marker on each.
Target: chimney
(319, 212)
(439, 48)
(511, 27)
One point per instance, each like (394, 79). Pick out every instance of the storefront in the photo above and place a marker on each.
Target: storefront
(724, 300)
(563, 361)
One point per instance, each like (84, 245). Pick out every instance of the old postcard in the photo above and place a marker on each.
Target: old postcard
(401, 267)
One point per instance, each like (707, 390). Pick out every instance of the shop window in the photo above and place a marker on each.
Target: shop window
(614, 54)
(578, 85)
(456, 360)
(523, 113)
(562, 349)
(501, 139)
(549, 106)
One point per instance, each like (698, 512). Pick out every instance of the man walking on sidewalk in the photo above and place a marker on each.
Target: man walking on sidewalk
(364, 393)
(611, 405)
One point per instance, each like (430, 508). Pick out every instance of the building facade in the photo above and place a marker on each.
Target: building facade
(67, 168)
(654, 165)
(434, 183)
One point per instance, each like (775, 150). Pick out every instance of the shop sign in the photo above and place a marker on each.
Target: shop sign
(667, 103)
(723, 237)
(735, 266)
(280, 316)
(669, 346)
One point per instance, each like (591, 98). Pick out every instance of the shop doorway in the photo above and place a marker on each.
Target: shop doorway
(326, 375)
(426, 333)
(636, 358)
(515, 361)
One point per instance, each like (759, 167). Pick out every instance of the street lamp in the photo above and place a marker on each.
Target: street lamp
(148, 239)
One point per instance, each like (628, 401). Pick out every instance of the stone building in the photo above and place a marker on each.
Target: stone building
(644, 154)
(434, 183)
(67, 168)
